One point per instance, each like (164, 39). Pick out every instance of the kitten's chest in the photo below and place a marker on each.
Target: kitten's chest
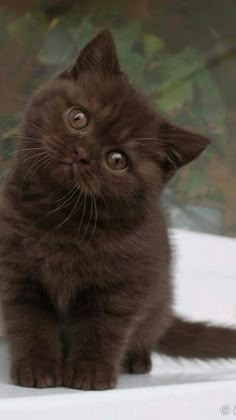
(65, 273)
(62, 274)
(68, 269)
(59, 277)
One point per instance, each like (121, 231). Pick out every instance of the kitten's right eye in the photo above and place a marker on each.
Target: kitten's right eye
(116, 160)
(77, 118)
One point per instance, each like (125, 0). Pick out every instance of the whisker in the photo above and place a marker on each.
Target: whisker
(46, 161)
(36, 126)
(72, 211)
(30, 170)
(28, 158)
(144, 138)
(88, 223)
(83, 213)
(20, 163)
(18, 136)
(65, 195)
(95, 222)
(67, 201)
(15, 152)
(55, 227)
(38, 155)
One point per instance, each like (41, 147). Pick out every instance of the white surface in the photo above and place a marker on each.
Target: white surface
(205, 274)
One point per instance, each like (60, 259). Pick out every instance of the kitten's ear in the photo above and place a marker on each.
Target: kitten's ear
(180, 147)
(99, 55)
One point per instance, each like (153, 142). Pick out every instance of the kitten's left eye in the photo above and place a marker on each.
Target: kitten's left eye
(116, 160)
(77, 119)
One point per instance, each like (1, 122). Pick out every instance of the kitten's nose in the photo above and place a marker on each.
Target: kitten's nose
(81, 155)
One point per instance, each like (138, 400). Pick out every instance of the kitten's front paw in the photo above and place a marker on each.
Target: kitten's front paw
(36, 373)
(89, 375)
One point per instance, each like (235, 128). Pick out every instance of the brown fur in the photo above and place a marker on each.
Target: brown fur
(85, 274)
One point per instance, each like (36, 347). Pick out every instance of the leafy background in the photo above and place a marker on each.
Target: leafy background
(181, 52)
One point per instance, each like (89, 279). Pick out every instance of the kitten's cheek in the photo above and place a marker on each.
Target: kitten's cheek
(63, 175)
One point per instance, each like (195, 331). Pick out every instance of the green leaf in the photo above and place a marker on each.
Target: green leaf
(132, 60)
(152, 45)
(173, 100)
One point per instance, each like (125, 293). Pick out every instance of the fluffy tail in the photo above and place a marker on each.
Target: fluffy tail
(197, 340)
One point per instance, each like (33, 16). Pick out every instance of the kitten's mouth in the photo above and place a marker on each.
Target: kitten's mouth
(79, 171)
(76, 168)
(66, 162)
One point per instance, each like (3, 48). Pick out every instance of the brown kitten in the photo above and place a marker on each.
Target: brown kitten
(85, 258)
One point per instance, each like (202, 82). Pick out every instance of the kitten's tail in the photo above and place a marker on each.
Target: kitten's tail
(197, 340)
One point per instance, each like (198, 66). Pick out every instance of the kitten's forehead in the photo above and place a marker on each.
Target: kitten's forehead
(116, 106)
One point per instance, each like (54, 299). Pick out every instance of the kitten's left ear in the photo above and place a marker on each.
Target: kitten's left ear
(180, 147)
(99, 55)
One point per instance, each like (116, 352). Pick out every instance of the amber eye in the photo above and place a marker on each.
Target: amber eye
(116, 160)
(77, 119)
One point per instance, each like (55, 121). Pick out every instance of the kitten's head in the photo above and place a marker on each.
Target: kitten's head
(100, 133)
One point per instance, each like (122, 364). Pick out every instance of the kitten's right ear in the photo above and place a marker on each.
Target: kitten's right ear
(180, 146)
(99, 55)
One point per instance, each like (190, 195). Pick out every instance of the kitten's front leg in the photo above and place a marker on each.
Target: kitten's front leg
(97, 331)
(32, 331)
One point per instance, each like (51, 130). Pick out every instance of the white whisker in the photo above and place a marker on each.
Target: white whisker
(88, 223)
(67, 201)
(35, 164)
(72, 211)
(95, 222)
(83, 213)
(20, 163)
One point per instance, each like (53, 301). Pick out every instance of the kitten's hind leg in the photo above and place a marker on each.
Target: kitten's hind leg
(143, 341)
(138, 361)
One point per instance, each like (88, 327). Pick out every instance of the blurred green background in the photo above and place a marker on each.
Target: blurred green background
(180, 52)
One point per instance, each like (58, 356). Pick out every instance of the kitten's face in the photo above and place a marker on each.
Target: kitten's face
(93, 130)
(100, 133)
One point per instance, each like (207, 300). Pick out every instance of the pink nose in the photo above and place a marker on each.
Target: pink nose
(81, 155)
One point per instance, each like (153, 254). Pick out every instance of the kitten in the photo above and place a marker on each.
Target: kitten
(85, 258)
